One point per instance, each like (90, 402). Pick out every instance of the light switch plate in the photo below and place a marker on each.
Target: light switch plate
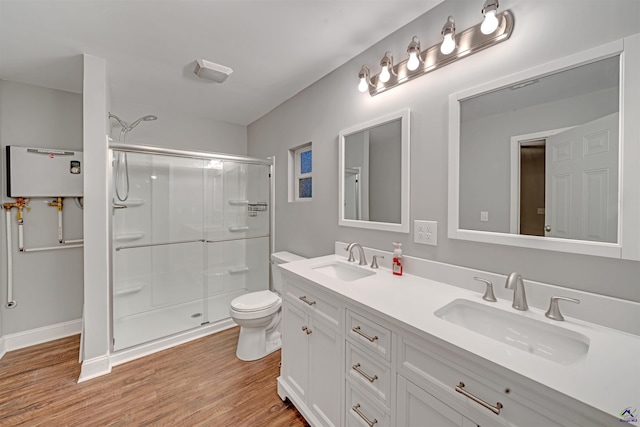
(425, 232)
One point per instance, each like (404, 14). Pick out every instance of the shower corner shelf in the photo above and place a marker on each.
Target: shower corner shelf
(237, 228)
(238, 202)
(131, 203)
(237, 269)
(128, 237)
(129, 290)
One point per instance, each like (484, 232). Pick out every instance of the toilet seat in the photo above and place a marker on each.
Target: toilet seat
(255, 301)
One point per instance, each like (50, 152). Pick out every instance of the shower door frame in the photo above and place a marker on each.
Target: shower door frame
(171, 152)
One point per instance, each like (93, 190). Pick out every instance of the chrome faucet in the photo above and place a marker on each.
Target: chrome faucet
(515, 283)
(349, 248)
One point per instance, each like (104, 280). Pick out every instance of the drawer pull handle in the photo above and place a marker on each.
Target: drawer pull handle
(305, 300)
(356, 329)
(363, 416)
(307, 330)
(494, 409)
(359, 370)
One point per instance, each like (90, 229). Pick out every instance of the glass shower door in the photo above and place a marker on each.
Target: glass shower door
(158, 250)
(237, 233)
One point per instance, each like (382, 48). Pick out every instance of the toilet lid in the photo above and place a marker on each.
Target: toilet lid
(254, 301)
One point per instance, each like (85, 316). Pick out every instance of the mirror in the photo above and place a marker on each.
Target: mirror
(537, 157)
(374, 174)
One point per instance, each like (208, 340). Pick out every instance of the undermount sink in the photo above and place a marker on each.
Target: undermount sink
(342, 271)
(541, 339)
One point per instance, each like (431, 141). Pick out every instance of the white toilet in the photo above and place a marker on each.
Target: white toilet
(258, 314)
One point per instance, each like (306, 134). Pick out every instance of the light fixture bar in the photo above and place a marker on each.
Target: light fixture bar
(468, 42)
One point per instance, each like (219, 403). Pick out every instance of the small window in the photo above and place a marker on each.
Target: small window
(301, 182)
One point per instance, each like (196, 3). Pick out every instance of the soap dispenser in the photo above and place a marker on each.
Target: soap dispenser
(397, 259)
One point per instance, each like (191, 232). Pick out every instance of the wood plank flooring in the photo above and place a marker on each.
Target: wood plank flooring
(200, 383)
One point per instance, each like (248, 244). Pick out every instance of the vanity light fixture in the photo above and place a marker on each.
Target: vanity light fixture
(414, 54)
(365, 81)
(448, 36)
(455, 46)
(490, 22)
(387, 67)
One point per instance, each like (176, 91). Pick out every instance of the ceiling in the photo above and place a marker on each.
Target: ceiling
(276, 48)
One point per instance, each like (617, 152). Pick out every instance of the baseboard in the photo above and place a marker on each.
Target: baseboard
(39, 335)
(95, 367)
(142, 350)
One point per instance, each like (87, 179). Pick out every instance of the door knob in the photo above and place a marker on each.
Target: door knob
(547, 228)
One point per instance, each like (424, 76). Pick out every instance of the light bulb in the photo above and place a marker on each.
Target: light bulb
(413, 62)
(384, 74)
(490, 22)
(363, 85)
(448, 44)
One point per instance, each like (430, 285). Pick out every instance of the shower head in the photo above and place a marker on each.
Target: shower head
(122, 123)
(148, 118)
(126, 127)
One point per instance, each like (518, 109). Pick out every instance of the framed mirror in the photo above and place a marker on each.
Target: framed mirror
(373, 174)
(545, 158)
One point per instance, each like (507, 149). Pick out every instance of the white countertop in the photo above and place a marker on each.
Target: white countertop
(607, 378)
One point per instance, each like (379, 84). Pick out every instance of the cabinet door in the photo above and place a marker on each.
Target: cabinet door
(295, 350)
(417, 407)
(325, 368)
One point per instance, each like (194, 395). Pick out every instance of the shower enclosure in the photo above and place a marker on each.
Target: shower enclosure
(193, 233)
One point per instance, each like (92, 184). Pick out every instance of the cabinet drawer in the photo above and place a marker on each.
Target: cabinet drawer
(437, 374)
(368, 333)
(311, 302)
(363, 411)
(370, 372)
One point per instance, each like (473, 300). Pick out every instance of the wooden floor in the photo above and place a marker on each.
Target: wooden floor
(200, 383)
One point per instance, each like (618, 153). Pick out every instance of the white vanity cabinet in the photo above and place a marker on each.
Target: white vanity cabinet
(368, 372)
(417, 407)
(349, 363)
(312, 352)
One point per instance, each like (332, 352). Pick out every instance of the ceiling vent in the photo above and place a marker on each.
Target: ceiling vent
(211, 71)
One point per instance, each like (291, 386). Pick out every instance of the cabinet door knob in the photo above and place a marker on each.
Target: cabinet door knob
(547, 228)
(306, 329)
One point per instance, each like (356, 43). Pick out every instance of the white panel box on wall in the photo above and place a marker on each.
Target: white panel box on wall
(43, 172)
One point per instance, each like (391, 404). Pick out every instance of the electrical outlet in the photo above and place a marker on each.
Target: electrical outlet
(425, 232)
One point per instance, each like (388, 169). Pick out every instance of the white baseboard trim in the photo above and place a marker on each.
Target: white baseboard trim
(39, 335)
(142, 350)
(95, 367)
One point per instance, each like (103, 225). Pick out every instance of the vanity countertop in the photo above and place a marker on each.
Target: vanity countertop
(606, 378)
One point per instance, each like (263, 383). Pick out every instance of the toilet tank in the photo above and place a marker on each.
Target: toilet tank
(281, 258)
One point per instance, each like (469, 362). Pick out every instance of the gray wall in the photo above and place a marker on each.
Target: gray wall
(545, 30)
(47, 285)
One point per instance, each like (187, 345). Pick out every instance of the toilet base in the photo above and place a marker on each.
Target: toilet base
(254, 344)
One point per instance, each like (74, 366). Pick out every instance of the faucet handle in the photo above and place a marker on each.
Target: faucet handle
(488, 293)
(374, 261)
(554, 310)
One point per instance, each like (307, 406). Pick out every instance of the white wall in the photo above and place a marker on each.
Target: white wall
(175, 130)
(47, 285)
(544, 30)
